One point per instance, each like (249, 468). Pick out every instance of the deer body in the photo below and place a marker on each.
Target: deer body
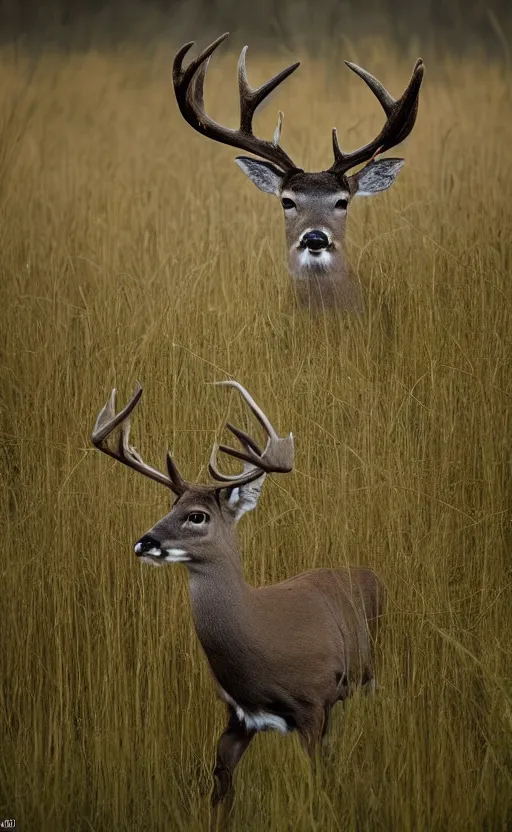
(289, 650)
(315, 204)
(281, 655)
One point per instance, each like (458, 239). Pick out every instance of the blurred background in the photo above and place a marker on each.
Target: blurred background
(131, 248)
(454, 24)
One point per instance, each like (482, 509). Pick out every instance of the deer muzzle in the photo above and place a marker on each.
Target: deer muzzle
(157, 552)
(315, 241)
(148, 545)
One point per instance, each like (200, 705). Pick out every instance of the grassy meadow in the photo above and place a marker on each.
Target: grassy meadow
(133, 249)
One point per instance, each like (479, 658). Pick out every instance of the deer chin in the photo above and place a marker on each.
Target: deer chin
(315, 260)
(305, 263)
(152, 561)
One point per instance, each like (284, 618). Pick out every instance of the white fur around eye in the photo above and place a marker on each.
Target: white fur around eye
(195, 523)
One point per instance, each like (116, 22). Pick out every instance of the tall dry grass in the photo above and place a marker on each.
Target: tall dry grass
(132, 249)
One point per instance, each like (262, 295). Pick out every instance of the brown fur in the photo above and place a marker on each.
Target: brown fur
(282, 655)
(320, 283)
(291, 649)
(320, 201)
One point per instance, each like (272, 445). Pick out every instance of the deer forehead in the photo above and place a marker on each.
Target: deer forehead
(196, 498)
(201, 500)
(323, 184)
(187, 503)
(314, 197)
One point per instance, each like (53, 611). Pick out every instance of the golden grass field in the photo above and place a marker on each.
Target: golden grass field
(133, 249)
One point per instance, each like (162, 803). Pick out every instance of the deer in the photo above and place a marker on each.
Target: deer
(281, 655)
(315, 205)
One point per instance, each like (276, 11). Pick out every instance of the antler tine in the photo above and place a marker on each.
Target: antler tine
(182, 77)
(256, 409)
(277, 456)
(401, 116)
(251, 98)
(107, 420)
(189, 90)
(250, 474)
(276, 138)
(386, 100)
(245, 440)
(338, 153)
(106, 424)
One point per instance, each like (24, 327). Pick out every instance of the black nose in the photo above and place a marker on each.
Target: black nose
(314, 240)
(145, 544)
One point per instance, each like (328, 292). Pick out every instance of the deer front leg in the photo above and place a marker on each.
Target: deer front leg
(232, 744)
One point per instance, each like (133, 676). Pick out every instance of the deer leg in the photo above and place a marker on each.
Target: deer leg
(312, 733)
(370, 686)
(343, 689)
(368, 682)
(232, 744)
(325, 726)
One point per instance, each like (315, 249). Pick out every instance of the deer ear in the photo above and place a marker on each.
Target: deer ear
(240, 499)
(266, 176)
(377, 176)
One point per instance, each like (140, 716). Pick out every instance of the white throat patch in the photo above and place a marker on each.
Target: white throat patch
(176, 556)
(320, 262)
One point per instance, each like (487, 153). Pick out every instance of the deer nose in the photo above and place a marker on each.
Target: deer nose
(314, 240)
(147, 545)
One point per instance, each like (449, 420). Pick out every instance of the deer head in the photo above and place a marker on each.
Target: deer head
(199, 529)
(315, 205)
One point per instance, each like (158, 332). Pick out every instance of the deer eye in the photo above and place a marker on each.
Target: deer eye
(342, 204)
(198, 517)
(288, 203)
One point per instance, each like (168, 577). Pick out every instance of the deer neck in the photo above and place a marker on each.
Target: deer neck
(223, 615)
(325, 281)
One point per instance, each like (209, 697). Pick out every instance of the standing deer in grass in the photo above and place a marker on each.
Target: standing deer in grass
(315, 204)
(282, 655)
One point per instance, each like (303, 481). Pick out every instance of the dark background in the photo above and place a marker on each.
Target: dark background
(445, 24)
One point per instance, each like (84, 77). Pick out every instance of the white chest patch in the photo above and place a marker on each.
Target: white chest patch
(258, 721)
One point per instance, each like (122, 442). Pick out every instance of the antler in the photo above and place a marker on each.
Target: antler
(189, 86)
(277, 456)
(106, 424)
(401, 116)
